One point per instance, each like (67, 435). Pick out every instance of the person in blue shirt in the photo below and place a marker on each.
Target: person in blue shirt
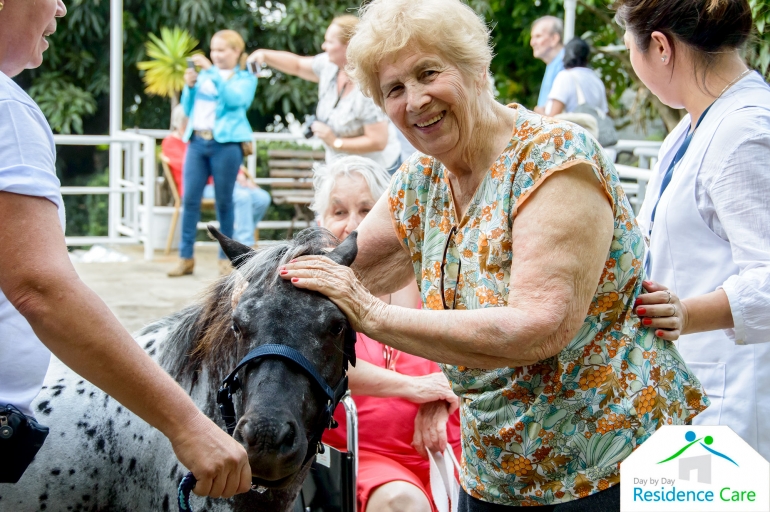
(547, 45)
(215, 99)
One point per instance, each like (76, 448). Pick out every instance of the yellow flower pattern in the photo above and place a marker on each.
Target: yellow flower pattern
(556, 430)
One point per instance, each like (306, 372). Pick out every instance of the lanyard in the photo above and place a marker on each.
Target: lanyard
(667, 179)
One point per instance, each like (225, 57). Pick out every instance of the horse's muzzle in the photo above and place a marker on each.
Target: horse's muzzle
(275, 443)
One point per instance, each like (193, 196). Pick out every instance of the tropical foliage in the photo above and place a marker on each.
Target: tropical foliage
(164, 73)
(77, 64)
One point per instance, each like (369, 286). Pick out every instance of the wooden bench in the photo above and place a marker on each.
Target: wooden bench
(295, 169)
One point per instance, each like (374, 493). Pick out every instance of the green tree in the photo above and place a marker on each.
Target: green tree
(164, 72)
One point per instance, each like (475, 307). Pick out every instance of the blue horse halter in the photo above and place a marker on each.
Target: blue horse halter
(231, 384)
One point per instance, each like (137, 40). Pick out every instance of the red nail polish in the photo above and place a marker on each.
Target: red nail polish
(646, 321)
(637, 301)
(294, 279)
(641, 310)
(292, 261)
(648, 283)
(284, 271)
(659, 333)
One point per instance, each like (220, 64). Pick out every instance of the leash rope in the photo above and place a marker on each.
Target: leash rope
(183, 494)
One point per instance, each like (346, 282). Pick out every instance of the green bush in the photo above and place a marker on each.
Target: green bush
(87, 215)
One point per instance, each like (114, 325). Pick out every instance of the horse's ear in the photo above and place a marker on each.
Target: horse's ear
(235, 251)
(346, 252)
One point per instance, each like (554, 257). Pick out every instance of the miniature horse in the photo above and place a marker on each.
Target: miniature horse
(100, 456)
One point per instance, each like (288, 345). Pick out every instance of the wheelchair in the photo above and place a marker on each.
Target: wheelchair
(330, 485)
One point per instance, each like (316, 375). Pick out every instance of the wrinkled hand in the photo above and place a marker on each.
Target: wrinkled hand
(201, 61)
(190, 77)
(257, 56)
(340, 284)
(661, 310)
(323, 132)
(430, 388)
(430, 428)
(218, 462)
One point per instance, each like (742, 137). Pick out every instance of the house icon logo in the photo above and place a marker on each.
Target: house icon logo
(694, 468)
(701, 464)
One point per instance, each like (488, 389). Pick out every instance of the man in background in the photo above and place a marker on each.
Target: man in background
(547, 45)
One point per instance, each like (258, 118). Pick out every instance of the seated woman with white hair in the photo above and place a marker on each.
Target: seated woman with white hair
(404, 402)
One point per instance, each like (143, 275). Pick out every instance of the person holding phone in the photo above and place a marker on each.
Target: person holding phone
(346, 121)
(215, 99)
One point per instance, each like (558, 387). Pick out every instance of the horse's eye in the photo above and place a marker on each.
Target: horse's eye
(235, 329)
(336, 329)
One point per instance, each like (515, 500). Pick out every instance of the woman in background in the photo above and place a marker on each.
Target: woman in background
(347, 121)
(215, 100)
(577, 84)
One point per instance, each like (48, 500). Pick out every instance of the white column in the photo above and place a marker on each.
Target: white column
(569, 19)
(116, 113)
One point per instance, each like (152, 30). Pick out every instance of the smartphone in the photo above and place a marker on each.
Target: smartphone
(190, 64)
(254, 67)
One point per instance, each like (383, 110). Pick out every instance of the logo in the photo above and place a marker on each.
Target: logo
(714, 469)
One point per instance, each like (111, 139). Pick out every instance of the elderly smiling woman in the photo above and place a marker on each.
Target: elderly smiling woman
(521, 219)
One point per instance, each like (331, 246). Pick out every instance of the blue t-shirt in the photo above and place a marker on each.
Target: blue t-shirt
(551, 70)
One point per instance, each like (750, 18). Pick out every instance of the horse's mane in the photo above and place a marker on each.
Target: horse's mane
(201, 334)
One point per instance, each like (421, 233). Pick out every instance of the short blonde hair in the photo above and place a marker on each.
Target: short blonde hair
(235, 41)
(347, 24)
(325, 177)
(447, 27)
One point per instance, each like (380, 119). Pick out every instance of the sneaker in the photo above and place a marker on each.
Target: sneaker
(184, 268)
(225, 267)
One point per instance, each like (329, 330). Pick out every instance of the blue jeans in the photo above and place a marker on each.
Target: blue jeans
(208, 158)
(250, 206)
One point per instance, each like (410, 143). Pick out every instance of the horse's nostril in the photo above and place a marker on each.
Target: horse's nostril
(287, 437)
(269, 435)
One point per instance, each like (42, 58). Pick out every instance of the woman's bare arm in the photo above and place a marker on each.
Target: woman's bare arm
(383, 264)
(37, 277)
(561, 238)
(286, 62)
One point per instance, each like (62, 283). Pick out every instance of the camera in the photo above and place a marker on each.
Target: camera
(190, 64)
(306, 130)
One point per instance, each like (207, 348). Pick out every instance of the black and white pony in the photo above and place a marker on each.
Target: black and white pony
(101, 457)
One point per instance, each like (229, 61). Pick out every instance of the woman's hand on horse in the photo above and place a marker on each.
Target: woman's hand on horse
(339, 283)
(430, 428)
(430, 388)
(218, 462)
(660, 309)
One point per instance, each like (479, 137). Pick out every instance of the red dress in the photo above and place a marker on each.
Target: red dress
(174, 149)
(386, 429)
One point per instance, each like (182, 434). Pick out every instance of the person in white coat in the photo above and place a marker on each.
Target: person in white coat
(706, 213)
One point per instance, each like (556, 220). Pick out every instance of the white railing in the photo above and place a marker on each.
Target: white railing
(131, 189)
(256, 138)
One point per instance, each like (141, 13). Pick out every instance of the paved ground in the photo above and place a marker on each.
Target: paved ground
(138, 291)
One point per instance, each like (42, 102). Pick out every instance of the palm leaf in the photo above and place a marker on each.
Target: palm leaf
(164, 73)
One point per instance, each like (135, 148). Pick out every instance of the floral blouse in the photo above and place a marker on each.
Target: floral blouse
(556, 430)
